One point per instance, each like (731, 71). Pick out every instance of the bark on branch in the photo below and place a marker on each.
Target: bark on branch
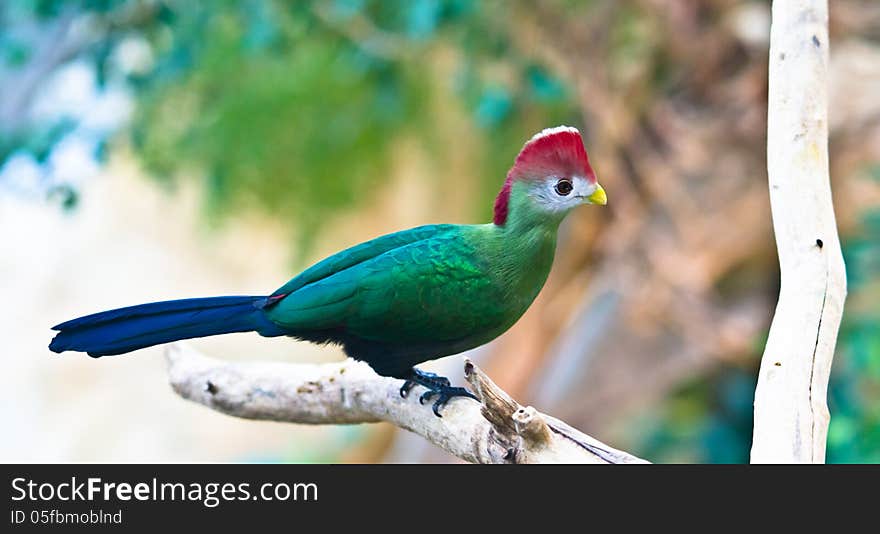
(791, 414)
(497, 430)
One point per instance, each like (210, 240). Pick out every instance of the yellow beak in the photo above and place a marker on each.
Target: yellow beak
(598, 196)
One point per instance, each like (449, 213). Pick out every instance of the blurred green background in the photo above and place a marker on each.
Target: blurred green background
(155, 149)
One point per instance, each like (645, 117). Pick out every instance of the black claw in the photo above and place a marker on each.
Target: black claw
(426, 396)
(406, 388)
(437, 386)
(446, 394)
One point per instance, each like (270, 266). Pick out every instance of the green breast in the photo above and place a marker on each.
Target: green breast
(518, 266)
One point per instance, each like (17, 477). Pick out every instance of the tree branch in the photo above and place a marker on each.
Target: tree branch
(791, 414)
(498, 430)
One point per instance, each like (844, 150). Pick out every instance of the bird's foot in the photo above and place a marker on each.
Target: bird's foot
(423, 378)
(438, 386)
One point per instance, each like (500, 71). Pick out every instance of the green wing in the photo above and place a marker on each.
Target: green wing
(359, 253)
(427, 286)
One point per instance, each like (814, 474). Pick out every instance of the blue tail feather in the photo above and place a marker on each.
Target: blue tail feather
(135, 327)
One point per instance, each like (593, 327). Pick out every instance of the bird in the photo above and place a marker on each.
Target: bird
(397, 300)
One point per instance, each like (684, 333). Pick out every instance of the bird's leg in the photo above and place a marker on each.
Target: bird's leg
(438, 386)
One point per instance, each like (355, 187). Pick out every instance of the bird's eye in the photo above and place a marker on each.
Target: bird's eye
(563, 187)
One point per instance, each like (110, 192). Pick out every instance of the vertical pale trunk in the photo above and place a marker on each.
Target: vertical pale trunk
(791, 413)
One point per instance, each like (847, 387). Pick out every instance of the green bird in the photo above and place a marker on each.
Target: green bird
(397, 300)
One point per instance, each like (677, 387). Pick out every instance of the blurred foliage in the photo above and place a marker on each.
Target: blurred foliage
(854, 433)
(707, 420)
(277, 109)
(38, 140)
(293, 108)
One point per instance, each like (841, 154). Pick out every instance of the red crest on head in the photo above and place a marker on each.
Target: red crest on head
(552, 152)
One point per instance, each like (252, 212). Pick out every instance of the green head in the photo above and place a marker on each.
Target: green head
(551, 176)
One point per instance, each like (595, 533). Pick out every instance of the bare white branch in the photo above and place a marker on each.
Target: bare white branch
(498, 430)
(791, 414)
